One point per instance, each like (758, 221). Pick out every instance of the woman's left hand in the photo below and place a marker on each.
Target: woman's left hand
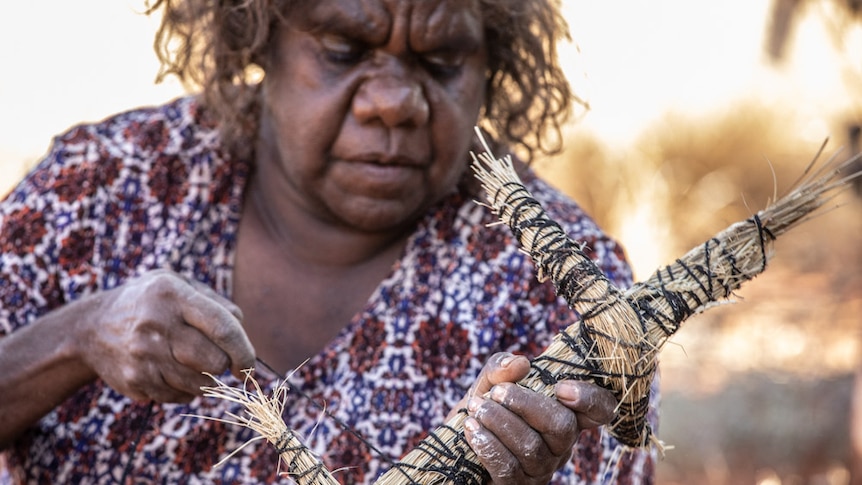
(521, 436)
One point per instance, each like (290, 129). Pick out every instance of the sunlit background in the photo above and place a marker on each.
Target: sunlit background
(689, 107)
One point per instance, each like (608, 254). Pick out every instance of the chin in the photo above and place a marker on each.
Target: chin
(382, 219)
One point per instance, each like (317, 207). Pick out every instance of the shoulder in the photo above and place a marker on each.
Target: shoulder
(146, 131)
(124, 151)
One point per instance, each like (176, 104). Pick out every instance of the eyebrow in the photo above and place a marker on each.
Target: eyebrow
(341, 22)
(372, 29)
(458, 33)
(462, 42)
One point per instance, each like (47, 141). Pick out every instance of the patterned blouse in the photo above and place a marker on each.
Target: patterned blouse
(151, 188)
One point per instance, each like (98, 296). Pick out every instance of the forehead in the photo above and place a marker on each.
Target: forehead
(379, 20)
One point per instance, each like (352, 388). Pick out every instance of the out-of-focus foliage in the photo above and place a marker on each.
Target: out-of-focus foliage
(699, 173)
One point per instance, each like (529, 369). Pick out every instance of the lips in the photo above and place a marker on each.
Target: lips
(383, 159)
(381, 175)
(380, 164)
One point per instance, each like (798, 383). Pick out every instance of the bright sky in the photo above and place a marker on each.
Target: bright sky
(639, 59)
(66, 62)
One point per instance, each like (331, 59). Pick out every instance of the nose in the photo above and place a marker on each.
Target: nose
(394, 100)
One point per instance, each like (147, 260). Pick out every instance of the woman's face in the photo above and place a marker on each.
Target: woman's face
(369, 106)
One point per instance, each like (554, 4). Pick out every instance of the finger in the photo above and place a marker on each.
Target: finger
(182, 383)
(230, 306)
(594, 405)
(556, 425)
(194, 350)
(494, 456)
(501, 367)
(168, 394)
(221, 327)
(144, 383)
(226, 332)
(527, 445)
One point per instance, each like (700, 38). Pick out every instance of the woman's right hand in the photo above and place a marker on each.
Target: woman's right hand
(154, 336)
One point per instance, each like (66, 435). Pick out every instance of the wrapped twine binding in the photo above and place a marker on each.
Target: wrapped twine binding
(264, 415)
(615, 343)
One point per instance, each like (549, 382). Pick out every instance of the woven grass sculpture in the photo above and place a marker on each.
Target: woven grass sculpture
(615, 343)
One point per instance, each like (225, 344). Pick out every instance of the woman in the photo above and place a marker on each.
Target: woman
(318, 222)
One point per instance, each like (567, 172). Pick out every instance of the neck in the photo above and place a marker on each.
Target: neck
(310, 237)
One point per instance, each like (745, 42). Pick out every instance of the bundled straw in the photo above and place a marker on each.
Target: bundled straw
(617, 341)
(619, 336)
(264, 415)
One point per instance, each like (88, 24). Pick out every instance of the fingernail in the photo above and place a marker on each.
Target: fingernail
(567, 390)
(471, 425)
(498, 393)
(473, 404)
(505, 361)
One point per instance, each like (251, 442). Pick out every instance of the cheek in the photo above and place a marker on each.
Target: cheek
(466, 95)
(455, 114)
(307, 116)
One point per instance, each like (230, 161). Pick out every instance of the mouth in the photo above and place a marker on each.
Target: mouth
(386, 160)
(381, 175)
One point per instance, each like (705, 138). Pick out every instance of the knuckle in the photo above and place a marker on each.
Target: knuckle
(163, 284)
(496, 460)
(532, 446)
(563, 423)
(138, 349)
(161, 277)
(506, 469)
(133, 377)
(500, 467)
(523, 398)
(223, 331)
(510, 396)
(485, 412)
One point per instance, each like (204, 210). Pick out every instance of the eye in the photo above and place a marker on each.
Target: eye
(444, 64)
(340, 50)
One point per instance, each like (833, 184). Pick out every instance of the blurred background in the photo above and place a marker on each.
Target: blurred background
(694, 115)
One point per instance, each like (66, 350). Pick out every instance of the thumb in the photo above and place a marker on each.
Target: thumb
(501, 367)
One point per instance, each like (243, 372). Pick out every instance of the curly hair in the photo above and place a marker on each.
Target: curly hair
(219, 48)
